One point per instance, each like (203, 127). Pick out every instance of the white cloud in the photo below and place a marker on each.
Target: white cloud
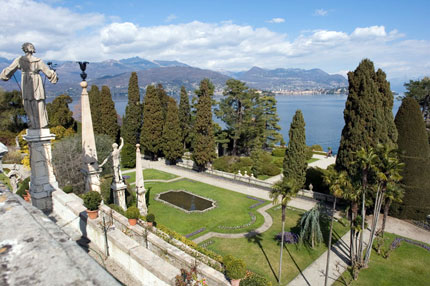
(60, 34)
(170, 18)
(320, 12)
(277, 20)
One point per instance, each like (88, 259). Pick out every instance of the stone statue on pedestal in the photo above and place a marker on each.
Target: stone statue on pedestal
(33, 93)
(14, 178)
(116, 161)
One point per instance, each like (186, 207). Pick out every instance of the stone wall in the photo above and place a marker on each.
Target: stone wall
(146, 256)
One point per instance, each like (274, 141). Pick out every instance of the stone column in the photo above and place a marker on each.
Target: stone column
(91, 167)
(42, 181)
(140, 186)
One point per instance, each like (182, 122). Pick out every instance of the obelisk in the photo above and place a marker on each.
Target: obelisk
(140, 187)
(90, 165)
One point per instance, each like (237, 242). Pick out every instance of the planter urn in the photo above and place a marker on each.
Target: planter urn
(132, 221)
(93, 214)
(235, 282)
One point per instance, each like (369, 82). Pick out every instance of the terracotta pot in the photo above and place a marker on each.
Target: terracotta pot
(93, 214)
(27, 196)
(132, 221)
(149, 223)
(235, 282)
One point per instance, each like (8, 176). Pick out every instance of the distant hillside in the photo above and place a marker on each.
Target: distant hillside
(291, 79)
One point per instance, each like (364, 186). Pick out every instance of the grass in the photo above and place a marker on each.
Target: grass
(261, 253)
(232, 209)
(151, 174)
(406, 265)
(311, 160)
(5, 180)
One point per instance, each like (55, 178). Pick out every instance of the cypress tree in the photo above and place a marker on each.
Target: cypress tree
(164, 99)
(172, 145)
(108, 115)
(204, 140)
(95, 102)
(368, 115)
(185, 118)
(270, 119)
(59, 112)
(295, 159)
(415, 154)
(152, 128)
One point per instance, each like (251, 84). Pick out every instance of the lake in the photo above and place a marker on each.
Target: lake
(323, 115)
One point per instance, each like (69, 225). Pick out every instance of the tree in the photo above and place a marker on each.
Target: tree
(295, 164)
(204, 141)
(185, 118)
(152, 128)
(271, 135)
(164, 99)
(283, 191)
(420, 91)
(95, 106)
(310, 229)
(12, 115)
(108, 115)
(415, 154)
(132, 120)
(172, 145)
(59, 113)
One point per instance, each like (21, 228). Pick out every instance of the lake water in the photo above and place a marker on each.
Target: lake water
(323, 115)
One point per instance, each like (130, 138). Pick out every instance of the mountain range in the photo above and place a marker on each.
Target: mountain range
(173, 74)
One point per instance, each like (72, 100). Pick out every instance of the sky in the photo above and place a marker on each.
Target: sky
(227, 35)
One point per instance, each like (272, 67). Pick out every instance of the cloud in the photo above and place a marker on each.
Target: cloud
(170, 18)
(320, 12)
(60, 34)
(277, 20)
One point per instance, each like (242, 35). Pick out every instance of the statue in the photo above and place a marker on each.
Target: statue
(14, 178)
(33, 93)
(116, 160)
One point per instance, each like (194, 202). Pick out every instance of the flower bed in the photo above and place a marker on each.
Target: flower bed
(396, 243)
(195, 232)
(260, 202)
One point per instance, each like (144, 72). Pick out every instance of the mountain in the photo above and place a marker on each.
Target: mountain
(290, 79)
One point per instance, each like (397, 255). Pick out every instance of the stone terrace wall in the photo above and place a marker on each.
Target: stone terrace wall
(143, 254)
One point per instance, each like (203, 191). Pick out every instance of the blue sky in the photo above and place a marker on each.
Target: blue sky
(227, 35)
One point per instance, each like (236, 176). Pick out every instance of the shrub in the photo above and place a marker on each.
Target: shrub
(278, 152)
(13, 157)
(253, 279)
(25, 185)
(315, 176)
(92, 200)
(279, 162)
(131, 198)
(128, 156)
(150, 217)
(308, 152)
(224, 163)
(105, 187)
(68, 189)
(132, 212)
(7, 137)
(316, 147)
(260, 158)
(234, 268)
(117, 209)
(270, 170)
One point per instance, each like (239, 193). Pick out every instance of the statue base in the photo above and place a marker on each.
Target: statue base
(118, 190)
(92, 179)
(141, 202)
(42, 180)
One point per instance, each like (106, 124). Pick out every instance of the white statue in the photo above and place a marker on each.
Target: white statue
(33, 93)
(116, 161)
(14, 178)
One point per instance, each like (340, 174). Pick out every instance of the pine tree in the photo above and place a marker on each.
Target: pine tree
(172, 145)
(204, 141)
(368, 115)
(95, 103)
(152, 128)
(415, 153)
(108, 115)
(295, 159)
(59, 113)
(132, 120)
(185, 118)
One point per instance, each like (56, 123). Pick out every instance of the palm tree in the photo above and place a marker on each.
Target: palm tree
(365, 161)
(337, 181)
(394, 193)
(284, 191)
(389, 168)
(310, 229)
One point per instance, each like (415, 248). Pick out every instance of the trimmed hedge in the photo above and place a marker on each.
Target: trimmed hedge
(315, 176)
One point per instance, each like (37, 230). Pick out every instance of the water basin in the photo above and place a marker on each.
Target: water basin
(186, 201)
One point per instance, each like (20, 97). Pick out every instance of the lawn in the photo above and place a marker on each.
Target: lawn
(406, 265)
(150, 174)
(232, 209)
(261, 254)
(5, 180)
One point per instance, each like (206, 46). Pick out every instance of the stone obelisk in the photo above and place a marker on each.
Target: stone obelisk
(90, 167)
(140, 187)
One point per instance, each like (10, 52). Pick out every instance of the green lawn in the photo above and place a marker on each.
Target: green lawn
(232, 209)
(261, 255)
(406, 265)
(311, 160)
(150, 174)
(5, 180)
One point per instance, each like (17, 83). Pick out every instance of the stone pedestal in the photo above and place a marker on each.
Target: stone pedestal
(118, 190)
(42, 180)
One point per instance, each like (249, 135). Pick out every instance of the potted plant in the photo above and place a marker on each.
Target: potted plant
(92, 202)
(150, 219)
(235, 269)
(132, 214)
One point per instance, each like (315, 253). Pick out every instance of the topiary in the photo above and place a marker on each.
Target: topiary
(270, 170)
(150, 217)
(132, 213)
(117, 209)
(278, 152)
(235, 268)
(68, 189)
(92, 200)
(253, 279)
